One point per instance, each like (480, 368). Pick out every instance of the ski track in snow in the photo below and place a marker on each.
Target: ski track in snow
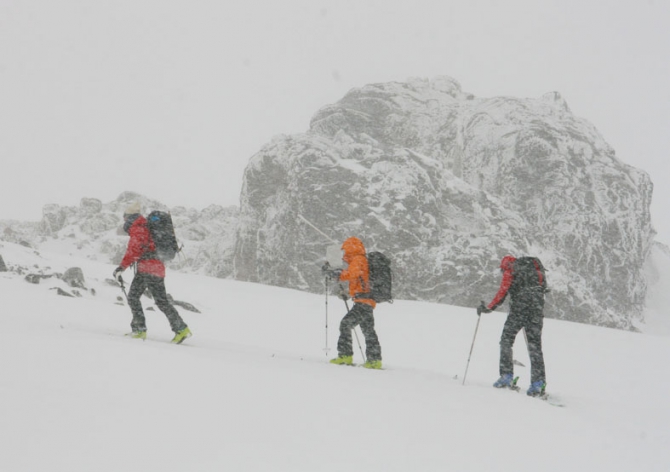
(252, 389)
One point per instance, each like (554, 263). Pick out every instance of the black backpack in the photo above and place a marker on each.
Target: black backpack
(162, 233)
(528, 273)
(381, 278)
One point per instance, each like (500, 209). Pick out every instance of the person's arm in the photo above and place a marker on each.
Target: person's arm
(505, 284)
(135, 249)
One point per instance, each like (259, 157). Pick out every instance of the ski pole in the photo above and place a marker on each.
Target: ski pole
(317, 229)
(326, 348)
(123, 287)
(356, 334)
(479, 317)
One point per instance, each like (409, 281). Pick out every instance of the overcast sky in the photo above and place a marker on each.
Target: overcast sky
(171, 98)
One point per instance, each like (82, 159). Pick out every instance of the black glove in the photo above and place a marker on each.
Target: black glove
(482, 309)
(330, 273)
(117, 274)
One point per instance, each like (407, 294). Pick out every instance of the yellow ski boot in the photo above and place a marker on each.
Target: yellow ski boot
(138, 335)
(181, 335)
(373, 364)
(343, 360)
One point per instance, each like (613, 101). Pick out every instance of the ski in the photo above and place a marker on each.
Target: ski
(151, 340)
(551, 400)
(361, 366)
(368, 368)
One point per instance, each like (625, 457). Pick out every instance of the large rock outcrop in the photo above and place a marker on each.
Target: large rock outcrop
(446, 184)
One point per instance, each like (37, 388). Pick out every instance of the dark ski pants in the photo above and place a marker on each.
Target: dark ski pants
(526, 313)
(360, 314)
(156, 286)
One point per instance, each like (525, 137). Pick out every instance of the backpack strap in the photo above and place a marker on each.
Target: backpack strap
(540, 277)
(147, 253)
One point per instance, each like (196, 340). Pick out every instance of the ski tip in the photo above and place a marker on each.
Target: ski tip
(551, 400)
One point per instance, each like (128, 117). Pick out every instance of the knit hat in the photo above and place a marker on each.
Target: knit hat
(133, 208)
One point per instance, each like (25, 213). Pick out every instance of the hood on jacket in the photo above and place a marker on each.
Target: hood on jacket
(129, 220)
(352, 247)
(133, 208)
(507, 262)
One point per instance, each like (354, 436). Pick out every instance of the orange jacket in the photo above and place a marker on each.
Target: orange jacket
(357, 273)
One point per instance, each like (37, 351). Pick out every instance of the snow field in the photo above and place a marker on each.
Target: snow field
(252, 389)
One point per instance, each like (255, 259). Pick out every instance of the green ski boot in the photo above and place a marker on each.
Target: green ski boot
(181, 335)
(373, 364)
(138, 335)
(343, 360)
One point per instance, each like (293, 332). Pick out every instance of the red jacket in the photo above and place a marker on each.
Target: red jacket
(506, 265)
(139, 245)
(357, 273)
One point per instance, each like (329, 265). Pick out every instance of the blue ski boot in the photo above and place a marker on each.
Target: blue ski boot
(505, 381)
(536, 389)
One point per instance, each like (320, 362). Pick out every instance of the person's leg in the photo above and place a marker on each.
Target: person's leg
(512, 327)
(157, 288)
(349, 322)
(534, 323)
(373, 350)
(534, 333)
(137, 288)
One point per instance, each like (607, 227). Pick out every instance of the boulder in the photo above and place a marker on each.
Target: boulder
(446, 184)
(74, 277)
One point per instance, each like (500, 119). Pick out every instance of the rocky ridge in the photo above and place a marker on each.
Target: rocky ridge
(95, 230)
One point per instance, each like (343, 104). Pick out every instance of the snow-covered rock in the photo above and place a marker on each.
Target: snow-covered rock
(95, 230)
(446, 184)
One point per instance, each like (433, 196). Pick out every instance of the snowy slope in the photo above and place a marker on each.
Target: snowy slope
(252, 389)
(657, 272)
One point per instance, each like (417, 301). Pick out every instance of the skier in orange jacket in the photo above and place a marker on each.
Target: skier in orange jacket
(357, 274)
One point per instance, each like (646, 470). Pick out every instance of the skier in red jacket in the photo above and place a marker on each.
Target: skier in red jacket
(524, 280)
(150, 274)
